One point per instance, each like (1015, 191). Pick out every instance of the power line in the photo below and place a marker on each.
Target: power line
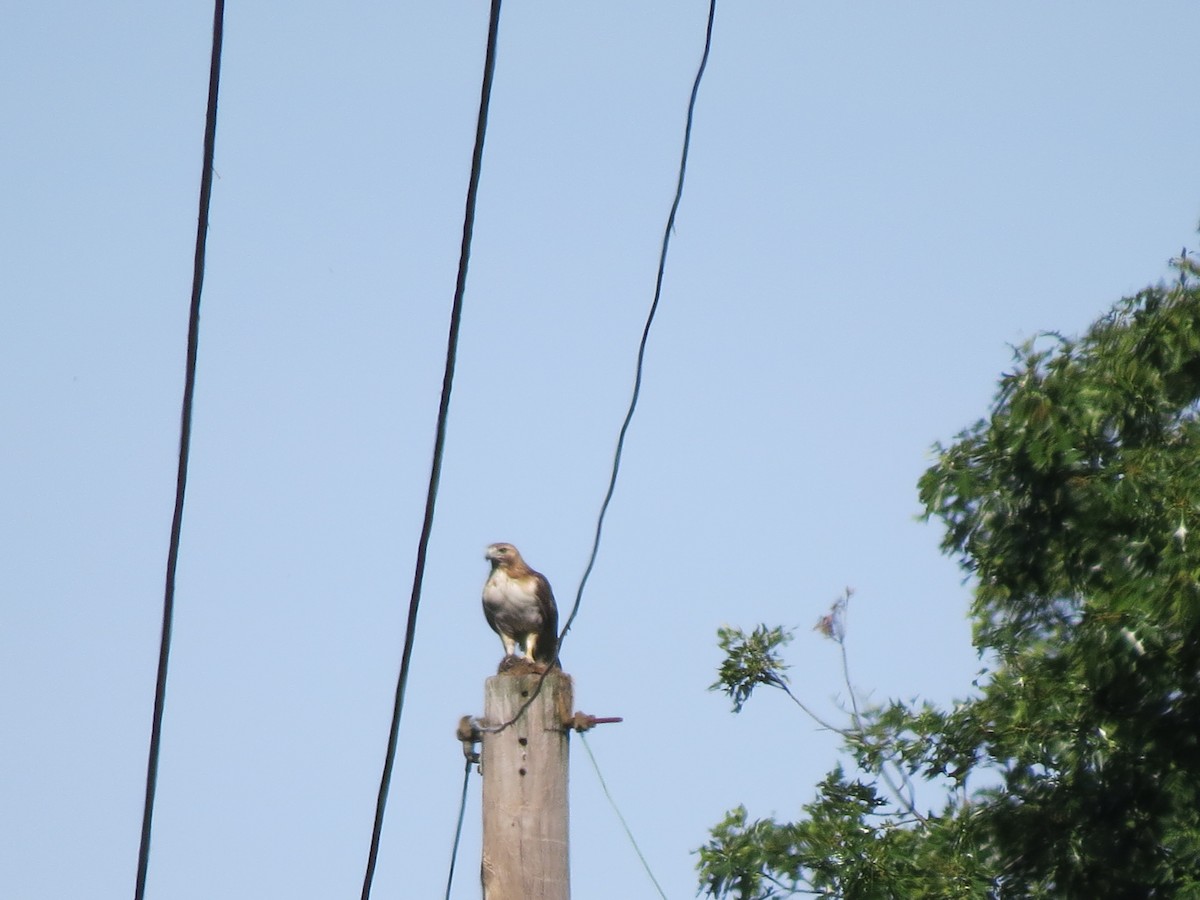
(489, 67)
(617, 810)
(641, 359)
(462, 810)
(185, 436)
(658, 283)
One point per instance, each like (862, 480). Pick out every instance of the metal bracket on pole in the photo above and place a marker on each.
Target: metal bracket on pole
(583, 722)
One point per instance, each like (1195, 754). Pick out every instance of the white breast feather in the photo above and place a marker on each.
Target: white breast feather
(512, 604)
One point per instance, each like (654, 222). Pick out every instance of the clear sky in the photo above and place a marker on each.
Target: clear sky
(882, 198)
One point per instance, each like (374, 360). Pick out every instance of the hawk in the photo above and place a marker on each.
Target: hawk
(520, 607)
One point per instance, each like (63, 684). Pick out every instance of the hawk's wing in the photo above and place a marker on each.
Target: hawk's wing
(547, 643)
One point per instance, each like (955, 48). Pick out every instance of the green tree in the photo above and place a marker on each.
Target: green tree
(1075, 507)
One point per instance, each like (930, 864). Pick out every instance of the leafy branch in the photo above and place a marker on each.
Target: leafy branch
(1070, 507)
(753, 659)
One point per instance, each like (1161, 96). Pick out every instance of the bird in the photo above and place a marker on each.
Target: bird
(519, 605)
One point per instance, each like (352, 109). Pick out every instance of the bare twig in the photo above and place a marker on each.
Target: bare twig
(833, 626)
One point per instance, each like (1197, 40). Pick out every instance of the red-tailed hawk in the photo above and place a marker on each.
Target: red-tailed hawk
(520, 607)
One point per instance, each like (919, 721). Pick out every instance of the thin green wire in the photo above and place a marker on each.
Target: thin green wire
(624, 824)
(462, 808)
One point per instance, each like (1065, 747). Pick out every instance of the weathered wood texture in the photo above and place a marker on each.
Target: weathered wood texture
(525, 790)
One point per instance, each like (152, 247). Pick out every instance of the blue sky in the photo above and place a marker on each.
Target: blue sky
(881, 199)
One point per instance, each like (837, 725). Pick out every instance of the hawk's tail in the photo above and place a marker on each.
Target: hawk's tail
(547, 642)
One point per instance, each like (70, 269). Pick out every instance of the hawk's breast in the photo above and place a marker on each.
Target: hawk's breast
(511, 604)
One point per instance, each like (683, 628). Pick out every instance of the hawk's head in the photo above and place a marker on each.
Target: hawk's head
(502, 555)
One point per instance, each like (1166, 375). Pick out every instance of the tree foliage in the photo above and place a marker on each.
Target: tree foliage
(1075, 507)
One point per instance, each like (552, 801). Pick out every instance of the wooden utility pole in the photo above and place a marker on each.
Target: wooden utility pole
(525, 788)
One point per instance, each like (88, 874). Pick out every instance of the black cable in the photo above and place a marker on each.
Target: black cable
(641, 359)
(641, 355)
(489, 67)
(462, 810)
(185, 436)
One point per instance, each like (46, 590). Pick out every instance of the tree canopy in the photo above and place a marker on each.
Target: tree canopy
(1071, 768)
